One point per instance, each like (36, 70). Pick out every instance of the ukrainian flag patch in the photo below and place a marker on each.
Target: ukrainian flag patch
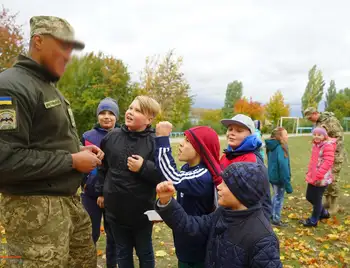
(5, 101)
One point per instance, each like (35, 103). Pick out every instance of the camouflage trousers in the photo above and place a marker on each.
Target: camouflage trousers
(47, 231)
(333, 189)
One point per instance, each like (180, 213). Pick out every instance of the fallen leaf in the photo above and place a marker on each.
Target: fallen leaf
(99, 252)
(161, 253)
(157, 229)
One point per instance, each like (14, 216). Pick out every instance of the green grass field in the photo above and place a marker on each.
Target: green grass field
(324, 246)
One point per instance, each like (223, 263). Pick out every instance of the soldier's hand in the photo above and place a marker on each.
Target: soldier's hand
(101, 201)
(165, 191)
(135, 163)
(85, 161)
(94, 149)
(163, 128)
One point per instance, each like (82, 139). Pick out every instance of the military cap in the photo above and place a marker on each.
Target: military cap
(57, 27)
(310, 110)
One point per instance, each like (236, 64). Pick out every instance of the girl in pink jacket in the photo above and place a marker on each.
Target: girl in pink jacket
(319, 174)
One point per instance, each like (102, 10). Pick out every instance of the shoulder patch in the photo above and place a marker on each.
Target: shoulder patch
(8, 119)
(52, 103)
(4, 100)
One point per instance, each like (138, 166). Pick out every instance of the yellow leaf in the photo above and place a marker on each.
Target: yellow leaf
(322, 254)
(333, 236)
(161, 253)
(291, 197)
(282, 258)
(161, 243)
(346, 249)
(326, 246)
(157, 229)
(99, 252)
(347, 222)
(293, 256)
(3, 240)
(347, 186)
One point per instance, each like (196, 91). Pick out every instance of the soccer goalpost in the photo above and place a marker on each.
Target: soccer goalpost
(295, 125)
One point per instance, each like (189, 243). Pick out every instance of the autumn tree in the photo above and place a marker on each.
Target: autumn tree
(341, 104)
(89, 79)
(251, 108)
(11, 39)
(276, 108)
(234, 92)
(212, 118)
(314, 90)
(331, 94)
(163, 80)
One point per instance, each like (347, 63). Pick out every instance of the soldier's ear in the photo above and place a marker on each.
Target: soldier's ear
(37, 42)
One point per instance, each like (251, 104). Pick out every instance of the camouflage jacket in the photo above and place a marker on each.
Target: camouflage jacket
(37, 134)
(334, 129)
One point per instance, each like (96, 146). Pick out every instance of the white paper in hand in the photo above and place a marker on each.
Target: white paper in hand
(153, 215)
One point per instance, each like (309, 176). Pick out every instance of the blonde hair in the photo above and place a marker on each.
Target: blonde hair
(148, 106)
(277, 135)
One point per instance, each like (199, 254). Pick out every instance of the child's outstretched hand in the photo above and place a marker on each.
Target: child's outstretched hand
(163, 128)
(165, 191)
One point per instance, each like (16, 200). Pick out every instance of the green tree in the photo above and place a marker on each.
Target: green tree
(331, 94)
(340, 106)
(11, 39)
(314, 89)
(234, 92)
(276, 108)
(163, 80)
(89, 79)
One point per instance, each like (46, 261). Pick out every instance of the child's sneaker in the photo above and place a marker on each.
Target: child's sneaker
(308, 223)
(279, 223)
(325, 214)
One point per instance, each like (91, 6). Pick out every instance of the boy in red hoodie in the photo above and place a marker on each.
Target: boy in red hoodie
(244, 146)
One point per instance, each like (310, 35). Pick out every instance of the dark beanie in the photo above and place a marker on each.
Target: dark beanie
(206, 143)
(108, 104)
(247, 181)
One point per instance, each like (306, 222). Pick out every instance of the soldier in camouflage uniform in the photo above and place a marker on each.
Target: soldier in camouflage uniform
(334, 129)
(41, 161)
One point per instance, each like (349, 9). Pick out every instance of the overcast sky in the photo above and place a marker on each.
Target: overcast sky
(268, 45)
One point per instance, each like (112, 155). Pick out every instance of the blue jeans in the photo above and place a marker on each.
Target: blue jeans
(96, 213)
(277, 202)
(126, 238)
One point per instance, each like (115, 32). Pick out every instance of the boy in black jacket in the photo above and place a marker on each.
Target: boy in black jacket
(237, 234)
(127, 181)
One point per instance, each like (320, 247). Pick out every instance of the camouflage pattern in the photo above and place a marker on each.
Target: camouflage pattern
(334, 129)
(310, 110)
(57, 27)
(47, 231)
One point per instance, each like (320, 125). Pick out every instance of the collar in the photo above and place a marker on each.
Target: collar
(36, 69)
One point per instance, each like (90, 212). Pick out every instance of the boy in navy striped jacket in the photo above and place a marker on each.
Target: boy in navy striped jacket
(196, 192)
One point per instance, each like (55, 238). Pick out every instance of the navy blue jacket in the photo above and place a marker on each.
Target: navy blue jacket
(195, 193)
(233, 238)
(278, 165)
(93, 136)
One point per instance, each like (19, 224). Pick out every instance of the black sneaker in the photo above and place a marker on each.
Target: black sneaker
(279, 223)
(325, 215)
(308, 223)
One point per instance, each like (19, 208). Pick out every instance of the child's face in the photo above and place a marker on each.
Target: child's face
(317, 137)
(134, 119)
(107, 119)
(186, 151)
(226, 197)
(284, 135)
(235, 134)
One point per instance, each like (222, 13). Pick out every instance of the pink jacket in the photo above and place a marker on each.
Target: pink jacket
(321, 163)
